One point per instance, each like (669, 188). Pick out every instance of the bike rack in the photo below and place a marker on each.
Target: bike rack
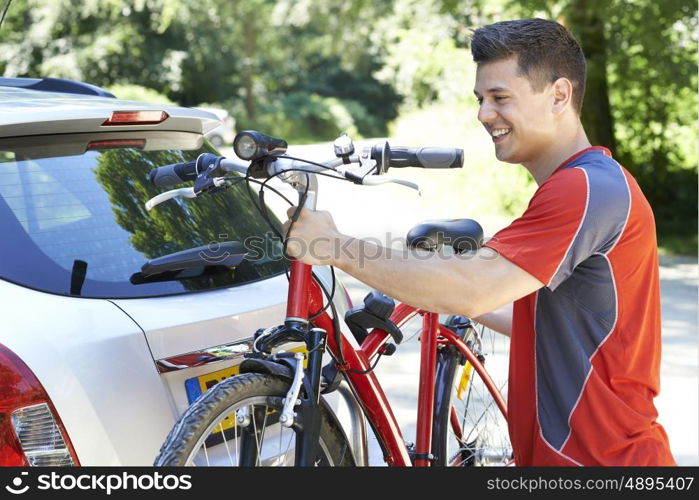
(358, 430)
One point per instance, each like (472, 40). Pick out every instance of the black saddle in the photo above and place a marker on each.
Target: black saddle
(461, 234)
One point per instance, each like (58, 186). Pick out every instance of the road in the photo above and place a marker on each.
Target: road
(386, 213)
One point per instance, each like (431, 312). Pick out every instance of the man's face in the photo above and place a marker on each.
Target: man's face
(518, 120)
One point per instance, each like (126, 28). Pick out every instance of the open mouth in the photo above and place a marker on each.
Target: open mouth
(499, 134)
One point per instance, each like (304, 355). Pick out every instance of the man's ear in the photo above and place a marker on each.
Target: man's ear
(562, 95)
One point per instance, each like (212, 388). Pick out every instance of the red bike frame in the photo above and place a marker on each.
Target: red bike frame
(305, 297)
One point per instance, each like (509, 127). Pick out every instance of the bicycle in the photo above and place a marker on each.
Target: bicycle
(275, 412)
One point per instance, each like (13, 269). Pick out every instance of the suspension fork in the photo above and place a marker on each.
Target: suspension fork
(309, 407)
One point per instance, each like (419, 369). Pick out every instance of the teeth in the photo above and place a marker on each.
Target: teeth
(499, 132)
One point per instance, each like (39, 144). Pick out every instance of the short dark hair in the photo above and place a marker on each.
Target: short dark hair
(545, 51)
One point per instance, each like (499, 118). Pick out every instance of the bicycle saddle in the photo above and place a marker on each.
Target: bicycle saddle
(462, 234)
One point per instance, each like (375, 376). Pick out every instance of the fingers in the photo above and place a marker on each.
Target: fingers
(293, 249)
(294, 213)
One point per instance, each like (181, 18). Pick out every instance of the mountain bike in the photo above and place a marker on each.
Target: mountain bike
(276, 411)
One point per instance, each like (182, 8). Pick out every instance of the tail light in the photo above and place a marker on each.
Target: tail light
(31, 433)
(149, 117)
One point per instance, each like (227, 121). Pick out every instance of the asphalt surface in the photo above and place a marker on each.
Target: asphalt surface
(386, 213)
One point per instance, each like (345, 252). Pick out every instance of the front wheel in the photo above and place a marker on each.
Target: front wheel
(236, 423)
(469, 429)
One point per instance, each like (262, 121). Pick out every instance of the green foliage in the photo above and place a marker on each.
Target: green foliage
(138, 93)
(421, 59)
(367, 123)
(371, 103)
(308, 69)
(654, 104)
(301, 117)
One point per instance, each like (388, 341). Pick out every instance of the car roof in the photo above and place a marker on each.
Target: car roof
(26, 112)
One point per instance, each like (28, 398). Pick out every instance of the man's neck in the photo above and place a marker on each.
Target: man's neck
(547, 163)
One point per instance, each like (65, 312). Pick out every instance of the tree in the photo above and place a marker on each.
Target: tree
(641, 96)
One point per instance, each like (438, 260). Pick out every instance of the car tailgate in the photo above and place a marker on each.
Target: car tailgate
(191, 335)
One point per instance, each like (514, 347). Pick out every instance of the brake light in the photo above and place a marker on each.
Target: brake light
(147, 117)
(116, 143)
(31, 433)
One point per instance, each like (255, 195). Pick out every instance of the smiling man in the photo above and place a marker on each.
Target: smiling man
(580, 265)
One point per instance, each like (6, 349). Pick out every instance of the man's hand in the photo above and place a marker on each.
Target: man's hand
(313, 237)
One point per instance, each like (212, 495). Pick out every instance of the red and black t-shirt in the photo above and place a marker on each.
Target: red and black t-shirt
(585, 351)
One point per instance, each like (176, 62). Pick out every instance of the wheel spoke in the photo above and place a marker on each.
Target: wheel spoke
(484, 435)
(225, 443)
(257, 400)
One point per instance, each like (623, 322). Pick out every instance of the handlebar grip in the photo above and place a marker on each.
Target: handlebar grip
(176, 173)
(426, 157)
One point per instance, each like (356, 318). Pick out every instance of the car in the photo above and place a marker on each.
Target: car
(100, 353)
(224, 133)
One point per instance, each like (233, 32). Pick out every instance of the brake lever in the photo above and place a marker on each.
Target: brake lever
(375, 181)
(187, 192)
(203, 184)
(367, 167)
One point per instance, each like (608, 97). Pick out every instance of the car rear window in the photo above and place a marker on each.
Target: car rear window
(74, 221)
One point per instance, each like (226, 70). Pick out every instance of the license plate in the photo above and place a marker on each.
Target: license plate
(197, 386)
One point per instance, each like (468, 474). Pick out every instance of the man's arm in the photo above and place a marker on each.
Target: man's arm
(499, 320)
(453, 284)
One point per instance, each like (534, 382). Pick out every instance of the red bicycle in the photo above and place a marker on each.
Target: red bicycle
(277, 411)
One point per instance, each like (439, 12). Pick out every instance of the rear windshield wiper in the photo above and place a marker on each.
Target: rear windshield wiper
(219, 257)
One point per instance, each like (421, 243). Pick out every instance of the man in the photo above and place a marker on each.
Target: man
(580, 264)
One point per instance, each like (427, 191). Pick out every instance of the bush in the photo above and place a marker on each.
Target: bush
(139, 93)
(368, 125)
(299, 117)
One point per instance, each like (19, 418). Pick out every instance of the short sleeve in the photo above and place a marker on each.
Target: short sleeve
(541, 240)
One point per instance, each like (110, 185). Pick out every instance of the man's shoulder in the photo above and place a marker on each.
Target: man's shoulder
(596, 166)
(599, 174)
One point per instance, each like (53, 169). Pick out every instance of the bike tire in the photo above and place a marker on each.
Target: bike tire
(482, 437)
(204, 436)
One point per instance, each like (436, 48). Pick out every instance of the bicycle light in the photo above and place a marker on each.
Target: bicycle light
(251, 145)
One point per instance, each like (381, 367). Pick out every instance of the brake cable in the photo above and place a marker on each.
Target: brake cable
(262, 209)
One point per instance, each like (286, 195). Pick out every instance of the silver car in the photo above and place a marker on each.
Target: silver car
(99, 353)
(224, 133)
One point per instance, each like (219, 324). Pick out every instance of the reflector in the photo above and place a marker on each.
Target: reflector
(31, 432)
(40, 437)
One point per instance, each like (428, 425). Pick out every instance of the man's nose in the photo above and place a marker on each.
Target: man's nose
(486, 113)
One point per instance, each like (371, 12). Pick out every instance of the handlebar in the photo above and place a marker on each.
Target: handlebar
(208, 170)
(400, 157)
(176, 173)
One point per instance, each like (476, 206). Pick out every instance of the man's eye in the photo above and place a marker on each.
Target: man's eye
(500, 97)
